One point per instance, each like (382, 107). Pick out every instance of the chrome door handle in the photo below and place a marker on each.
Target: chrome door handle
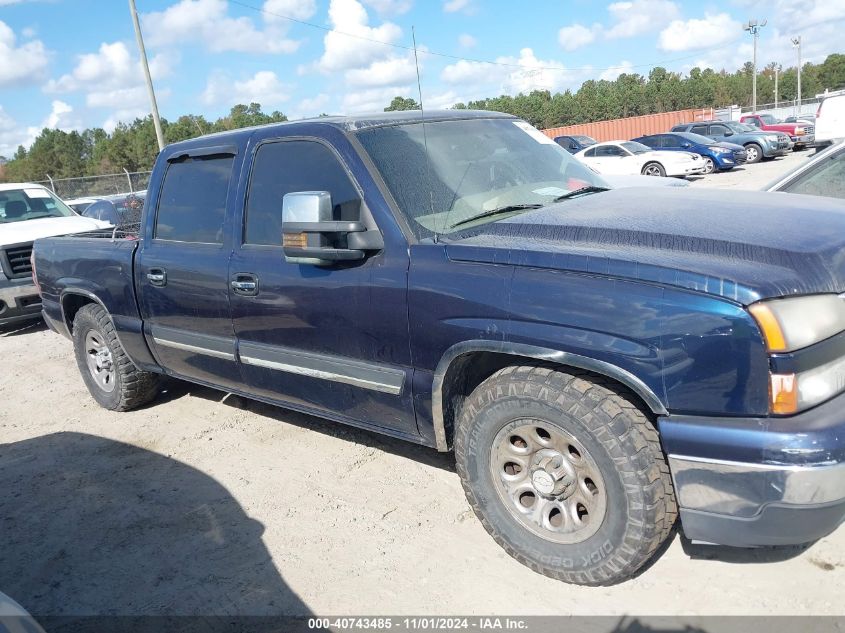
(243, 286)
(157, 277)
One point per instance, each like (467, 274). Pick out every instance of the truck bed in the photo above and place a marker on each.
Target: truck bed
(98, 265)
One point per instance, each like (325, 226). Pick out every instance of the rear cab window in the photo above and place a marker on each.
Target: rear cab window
(192, 202)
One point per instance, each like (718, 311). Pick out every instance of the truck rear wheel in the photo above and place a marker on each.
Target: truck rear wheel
(111, 377)
(566, 473)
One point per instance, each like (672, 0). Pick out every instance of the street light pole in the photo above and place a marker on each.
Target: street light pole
(146, 67)
(754, 27)
(776, 87)
(796, 42)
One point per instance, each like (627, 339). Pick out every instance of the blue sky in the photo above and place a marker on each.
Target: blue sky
(74, 63)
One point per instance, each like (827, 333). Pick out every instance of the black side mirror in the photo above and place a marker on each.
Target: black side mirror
(311, 235)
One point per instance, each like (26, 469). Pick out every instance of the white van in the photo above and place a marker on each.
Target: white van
(28, 212)
(830, 120)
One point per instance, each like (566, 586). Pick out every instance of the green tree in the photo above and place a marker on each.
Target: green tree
(402, 103)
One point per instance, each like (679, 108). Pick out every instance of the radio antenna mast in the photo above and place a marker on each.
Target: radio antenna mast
(422, 120)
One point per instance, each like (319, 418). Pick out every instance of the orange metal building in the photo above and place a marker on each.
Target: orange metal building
(632, 127)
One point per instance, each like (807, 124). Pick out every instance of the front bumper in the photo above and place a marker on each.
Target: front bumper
(19, 300)
(751, 482)
(688, 169)
(804, 140)
(727, 161)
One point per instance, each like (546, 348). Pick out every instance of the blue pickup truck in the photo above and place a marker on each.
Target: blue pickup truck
(600, 361)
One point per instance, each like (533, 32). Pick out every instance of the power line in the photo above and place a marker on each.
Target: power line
(470, 59)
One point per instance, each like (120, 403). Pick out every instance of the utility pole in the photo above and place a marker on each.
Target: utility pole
(146, 67)
(796, 43)
(776, 87)
(754, 27)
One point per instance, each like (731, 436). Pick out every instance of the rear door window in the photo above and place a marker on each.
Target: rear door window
(192, 204)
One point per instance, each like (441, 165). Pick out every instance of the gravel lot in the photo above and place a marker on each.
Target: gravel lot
(202, 504)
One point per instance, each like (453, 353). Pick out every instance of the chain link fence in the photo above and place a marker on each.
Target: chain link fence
(106, 185)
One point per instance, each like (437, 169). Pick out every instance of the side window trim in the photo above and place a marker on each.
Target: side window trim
(253, 154)
(182, 157)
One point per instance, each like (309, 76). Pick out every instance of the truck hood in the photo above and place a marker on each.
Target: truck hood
(743, 246)
(31, 230)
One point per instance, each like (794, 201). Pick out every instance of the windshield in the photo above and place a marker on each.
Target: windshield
(635, 148)
(472, 167)
(768, 119)
(695, 138)
(31, 203)
(585, 140)
(739, 128)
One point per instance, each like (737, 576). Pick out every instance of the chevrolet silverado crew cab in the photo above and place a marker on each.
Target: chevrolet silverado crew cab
(27, 212)
(598, 360)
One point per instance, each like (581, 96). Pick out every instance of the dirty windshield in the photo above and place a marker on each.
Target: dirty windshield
(490, 168)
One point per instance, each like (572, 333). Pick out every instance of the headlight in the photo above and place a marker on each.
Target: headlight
(799, 131)
(719, 150)
(792, 324)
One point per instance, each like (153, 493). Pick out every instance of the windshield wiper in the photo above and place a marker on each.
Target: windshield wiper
(497, 211)
(581, 191)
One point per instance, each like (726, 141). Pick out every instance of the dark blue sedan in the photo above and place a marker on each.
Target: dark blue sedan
(575, 143)
(718, 156)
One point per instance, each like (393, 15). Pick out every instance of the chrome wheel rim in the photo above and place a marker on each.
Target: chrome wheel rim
(709, 166)
(652, 170)
(751, 154)
(99, 359)
(548, 481)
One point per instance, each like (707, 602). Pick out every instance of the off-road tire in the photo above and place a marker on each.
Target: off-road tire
(641, 509)
(133, 387)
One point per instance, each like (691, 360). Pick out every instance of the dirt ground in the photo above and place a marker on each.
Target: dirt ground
(201, 504)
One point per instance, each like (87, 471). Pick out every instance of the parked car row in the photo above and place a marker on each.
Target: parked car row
(689, 149)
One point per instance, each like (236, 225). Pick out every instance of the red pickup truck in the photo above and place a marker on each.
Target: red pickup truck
(802, 134)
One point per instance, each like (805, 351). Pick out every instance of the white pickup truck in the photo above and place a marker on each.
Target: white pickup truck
(28, 212)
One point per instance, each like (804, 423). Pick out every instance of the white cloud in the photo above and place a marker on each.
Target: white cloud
(387, 72)
(12, 134)
(710, 32)
(370, 69)
(454, 6)
(263, 87)
(575, 36)
(373, 99)
(637, 17)
(611, 74)
(343, 52)
(277, 10)
(208, 22)
(515, 74)
(23, 63)
(390, 7)
(112, 77)
(310, 107)
(465, 40)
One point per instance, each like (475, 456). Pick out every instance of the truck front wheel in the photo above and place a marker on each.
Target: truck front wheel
(112, 378)
(566, 473)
